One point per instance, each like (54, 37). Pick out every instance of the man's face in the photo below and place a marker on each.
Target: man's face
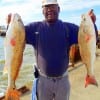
(51, 12)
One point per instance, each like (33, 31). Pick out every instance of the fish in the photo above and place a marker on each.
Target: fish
(87, 47)
(14, 48)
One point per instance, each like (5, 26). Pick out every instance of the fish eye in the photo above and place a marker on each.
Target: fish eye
(18, 20)
(84, 19)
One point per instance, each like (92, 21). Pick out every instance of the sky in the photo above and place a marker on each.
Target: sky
(31, 10)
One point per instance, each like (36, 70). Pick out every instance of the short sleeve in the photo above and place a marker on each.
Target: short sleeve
(73, 33)
(30, 30)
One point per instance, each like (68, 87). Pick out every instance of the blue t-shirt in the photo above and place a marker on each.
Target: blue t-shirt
(52, 43)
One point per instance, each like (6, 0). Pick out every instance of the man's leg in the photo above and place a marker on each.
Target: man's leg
(45, 88)
(62, 90)
(53, 89)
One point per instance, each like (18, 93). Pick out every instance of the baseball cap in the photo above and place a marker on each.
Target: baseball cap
(48, 2)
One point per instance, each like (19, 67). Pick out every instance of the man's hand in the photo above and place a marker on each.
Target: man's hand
(92, 15)
(8, 19)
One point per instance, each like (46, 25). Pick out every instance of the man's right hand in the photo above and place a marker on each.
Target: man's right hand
(8, 19)
(92, 15)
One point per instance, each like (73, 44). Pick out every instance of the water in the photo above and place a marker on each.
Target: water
(1, 48)
(26, 72)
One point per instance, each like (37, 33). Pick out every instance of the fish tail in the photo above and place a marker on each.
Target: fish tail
(12, 94)
(90, 80)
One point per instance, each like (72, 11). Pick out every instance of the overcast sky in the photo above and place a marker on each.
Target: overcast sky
(31, 10)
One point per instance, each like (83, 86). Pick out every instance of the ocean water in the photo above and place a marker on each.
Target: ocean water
(1, 48)
(25, 76)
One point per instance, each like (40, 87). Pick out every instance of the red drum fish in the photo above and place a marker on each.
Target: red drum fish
(14, 47)
(87, 47)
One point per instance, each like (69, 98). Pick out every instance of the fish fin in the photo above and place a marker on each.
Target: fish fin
(5, 70)
(12, 94)
(90, 80)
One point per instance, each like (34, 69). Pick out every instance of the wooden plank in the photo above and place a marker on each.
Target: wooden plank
(22, 90)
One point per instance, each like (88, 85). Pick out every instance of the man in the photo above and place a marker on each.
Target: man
(51, 40)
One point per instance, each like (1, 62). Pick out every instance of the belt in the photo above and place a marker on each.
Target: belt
(44, 75)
